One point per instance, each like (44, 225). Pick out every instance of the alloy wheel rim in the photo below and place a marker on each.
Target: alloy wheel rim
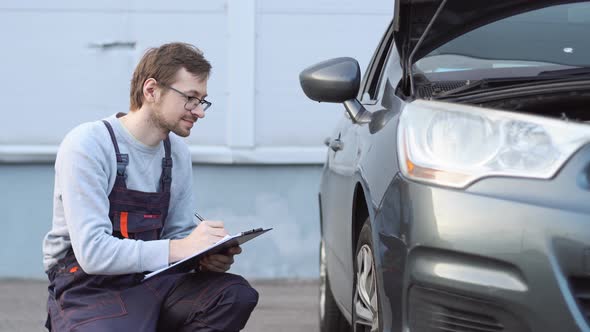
(322, 281)
(365, 299)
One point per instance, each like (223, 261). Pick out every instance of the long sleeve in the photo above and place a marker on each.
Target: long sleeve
(83, 169)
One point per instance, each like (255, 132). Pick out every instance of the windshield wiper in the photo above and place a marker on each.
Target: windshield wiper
(483, 84)
(492, 84)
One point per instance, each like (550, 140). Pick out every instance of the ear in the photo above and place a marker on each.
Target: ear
(150, 90)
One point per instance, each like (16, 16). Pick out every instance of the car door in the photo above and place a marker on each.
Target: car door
(338, 186)
(336, 197)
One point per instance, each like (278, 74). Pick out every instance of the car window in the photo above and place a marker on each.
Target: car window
(391, 70)
(374, 73)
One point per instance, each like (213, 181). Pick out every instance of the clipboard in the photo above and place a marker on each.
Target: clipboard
(189, 263)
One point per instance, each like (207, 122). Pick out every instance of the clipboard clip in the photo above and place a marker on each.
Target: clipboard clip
(255, 230)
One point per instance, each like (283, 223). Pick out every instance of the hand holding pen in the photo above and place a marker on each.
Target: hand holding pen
(205, 234)
(218, 262)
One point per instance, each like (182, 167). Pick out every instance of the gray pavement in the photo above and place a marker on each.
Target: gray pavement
(285, 305)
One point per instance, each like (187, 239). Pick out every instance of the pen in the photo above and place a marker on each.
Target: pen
(199, 216)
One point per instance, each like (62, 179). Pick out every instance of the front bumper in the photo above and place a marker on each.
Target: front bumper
(504, 255)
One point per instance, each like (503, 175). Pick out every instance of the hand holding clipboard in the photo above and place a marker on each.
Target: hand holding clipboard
(189, 263)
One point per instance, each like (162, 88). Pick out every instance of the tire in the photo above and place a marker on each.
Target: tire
(330, 317)
(365, 302)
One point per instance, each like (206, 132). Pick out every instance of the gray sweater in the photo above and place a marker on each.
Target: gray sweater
(85, 171)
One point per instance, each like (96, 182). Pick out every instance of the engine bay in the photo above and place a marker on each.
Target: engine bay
(569, 106)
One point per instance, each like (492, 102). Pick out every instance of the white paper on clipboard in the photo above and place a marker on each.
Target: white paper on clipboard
(191, 262)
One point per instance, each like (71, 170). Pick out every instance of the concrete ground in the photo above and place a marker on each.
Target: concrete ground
(285, 305)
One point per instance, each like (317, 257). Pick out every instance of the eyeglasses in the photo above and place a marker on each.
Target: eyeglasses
(191, 102)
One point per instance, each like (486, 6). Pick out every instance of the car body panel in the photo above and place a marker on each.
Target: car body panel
(519, 254)
(337, 178)
(365, 156)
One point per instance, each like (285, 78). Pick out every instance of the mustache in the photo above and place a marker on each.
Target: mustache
(192, 118)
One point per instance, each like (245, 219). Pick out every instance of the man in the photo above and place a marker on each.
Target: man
(122, 206)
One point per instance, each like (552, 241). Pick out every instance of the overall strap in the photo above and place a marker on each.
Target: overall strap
(166, 177)
(122, 158)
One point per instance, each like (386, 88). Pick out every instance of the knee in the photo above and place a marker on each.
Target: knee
(241, 295)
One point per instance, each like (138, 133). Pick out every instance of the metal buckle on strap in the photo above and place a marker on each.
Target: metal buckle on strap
(167, 169)
(167, 162)
(122, 162)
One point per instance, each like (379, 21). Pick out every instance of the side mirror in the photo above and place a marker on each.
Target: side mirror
(336, 81)
(332, 81)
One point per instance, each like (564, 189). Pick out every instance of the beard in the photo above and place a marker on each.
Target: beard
(168, 125)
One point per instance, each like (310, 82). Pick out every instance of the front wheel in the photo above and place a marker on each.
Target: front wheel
(365, 305)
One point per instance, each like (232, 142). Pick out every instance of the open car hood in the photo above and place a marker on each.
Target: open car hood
(456, 17)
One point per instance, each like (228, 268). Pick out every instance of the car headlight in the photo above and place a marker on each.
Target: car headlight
(455, 145)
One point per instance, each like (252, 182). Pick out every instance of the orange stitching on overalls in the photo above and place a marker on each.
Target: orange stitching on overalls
(121, 303)
(155, 291)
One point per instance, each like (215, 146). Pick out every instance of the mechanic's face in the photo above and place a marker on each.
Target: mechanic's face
(170, 113)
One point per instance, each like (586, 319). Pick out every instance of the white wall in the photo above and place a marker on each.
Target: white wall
(54, 76)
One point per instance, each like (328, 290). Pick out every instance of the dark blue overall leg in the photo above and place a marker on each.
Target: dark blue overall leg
(208, 302)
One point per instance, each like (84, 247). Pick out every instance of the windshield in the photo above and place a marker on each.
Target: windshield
(551, 38)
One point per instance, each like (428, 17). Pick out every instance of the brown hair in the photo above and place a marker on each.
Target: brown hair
(162, 64)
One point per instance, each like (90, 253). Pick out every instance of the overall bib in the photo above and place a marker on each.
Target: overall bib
(201, 301)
